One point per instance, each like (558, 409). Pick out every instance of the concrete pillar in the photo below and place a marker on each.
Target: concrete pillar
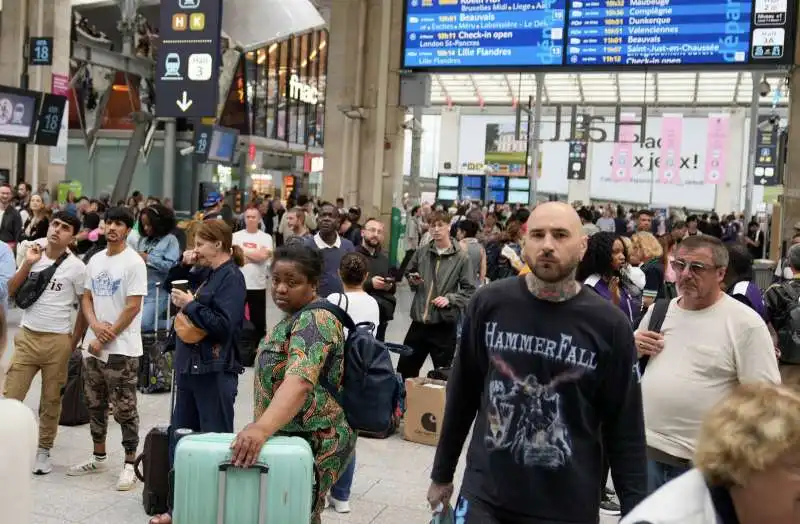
(449, 140)
(729, 192)
(363, 122)
(45, 18)
(790, 207)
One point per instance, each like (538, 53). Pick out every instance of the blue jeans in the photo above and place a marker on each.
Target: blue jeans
(149, 312)
(659, 474)
(341, 490)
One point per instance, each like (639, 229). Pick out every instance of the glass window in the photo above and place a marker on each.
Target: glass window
(258, 83)
(292, 103)
(322, 77)
(302, 106)
(283, 83)
(271, 108)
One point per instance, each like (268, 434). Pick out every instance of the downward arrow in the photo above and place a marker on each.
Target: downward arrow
(184, 104)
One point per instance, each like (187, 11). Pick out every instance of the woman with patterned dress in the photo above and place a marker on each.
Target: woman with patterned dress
(301, 353)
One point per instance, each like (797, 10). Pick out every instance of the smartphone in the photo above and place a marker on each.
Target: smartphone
(388, 280)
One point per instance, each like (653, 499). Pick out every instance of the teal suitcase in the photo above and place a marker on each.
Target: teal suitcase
(210, 490)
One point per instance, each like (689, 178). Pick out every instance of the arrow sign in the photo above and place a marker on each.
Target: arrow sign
(184, 104)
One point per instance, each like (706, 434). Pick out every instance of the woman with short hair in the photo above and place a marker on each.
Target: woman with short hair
(746, 465)
(649, 251)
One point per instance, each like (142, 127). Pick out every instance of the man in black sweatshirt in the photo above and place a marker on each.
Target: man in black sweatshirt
(544, 364)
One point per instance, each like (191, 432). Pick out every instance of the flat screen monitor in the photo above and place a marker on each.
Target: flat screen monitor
(222, 147)
(498, 182)
(447, 194)
(521, 184)
(472, 193)
(473, 181)
(19, 111)
(448, 181)
(585, 35)
(518, 197)
(497, 195)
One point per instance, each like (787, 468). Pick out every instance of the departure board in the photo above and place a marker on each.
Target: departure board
(481, 33)
(597, 34)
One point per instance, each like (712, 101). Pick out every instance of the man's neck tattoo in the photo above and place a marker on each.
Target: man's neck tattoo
(552, 291)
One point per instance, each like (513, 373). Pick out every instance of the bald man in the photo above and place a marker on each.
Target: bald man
(544, 363)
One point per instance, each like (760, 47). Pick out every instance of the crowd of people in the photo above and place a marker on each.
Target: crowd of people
(576, 343)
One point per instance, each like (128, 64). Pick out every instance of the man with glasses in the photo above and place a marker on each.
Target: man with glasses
(380, 283)
(709, 342)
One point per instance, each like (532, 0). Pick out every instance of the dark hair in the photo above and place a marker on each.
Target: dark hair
(522, 215)
(597, 259)
(644, 212)
(692, 218)
(353, 269)
(161, 218)
(469, 227)
(120, 214)
(91, 221)
(414, 210)
(220, 231)
(101, 206)
(307, 260)
(586, 214)
(740, 264)
(65, 217)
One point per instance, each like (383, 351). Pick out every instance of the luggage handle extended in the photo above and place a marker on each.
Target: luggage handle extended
(222, 484)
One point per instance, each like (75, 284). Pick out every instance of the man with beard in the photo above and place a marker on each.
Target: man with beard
(544, 363)
(333, 248)
(380, 284)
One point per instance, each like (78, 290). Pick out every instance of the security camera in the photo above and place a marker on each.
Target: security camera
(764, 88)
(186, 151)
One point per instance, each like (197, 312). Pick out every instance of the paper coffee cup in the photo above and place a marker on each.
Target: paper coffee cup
(183, 285)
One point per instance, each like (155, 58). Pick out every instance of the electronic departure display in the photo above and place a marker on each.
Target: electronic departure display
(587, 34)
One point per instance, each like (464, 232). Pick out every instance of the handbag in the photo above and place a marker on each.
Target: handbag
(36, 283)
(187, 331)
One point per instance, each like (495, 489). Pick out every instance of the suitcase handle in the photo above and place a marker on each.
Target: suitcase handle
(222, 484)
(137, 467)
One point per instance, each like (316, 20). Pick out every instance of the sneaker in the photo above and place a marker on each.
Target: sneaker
(609, 507)
(339, 506)
(42, 465)
(127, 479)
(93, 465)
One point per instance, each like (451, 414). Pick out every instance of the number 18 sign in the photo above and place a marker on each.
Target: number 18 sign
(40, 51)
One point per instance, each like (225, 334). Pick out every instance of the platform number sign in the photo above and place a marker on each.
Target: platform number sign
(202, 141)
(41, 51)
(49, 119)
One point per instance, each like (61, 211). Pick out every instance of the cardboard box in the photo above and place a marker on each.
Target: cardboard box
(425, 400)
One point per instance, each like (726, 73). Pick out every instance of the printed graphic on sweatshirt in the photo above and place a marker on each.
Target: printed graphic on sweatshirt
(103, 285)
(524, 415)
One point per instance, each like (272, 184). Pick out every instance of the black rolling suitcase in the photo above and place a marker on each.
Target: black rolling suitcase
(155, 366)
(74, 410)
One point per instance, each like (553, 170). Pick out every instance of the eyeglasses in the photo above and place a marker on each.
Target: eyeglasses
(695, 268)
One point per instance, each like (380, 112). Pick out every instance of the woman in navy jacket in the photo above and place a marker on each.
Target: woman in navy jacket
(207, 373)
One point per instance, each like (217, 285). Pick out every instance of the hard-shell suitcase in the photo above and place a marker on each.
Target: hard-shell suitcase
(152, 468)
(155, 365)
(209, 490)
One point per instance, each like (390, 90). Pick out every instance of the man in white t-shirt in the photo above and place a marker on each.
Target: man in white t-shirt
(257, 246)
(47, 338)
(116, 282)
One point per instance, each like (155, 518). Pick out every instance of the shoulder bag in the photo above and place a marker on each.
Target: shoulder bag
(34, 286)
(186, 330)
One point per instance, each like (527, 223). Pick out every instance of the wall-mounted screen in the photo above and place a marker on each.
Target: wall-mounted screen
(19, 110)
(520, 184)
(473, 181)
(448, 181)
(498, 183)
(223, 145)
(497, 195)
(586, 34)
(518, 197)
(447, 194)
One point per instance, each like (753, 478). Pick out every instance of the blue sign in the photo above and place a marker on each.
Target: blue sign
(587, 34)
(40, 51)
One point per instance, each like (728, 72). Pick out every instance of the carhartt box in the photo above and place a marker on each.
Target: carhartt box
(425, 400)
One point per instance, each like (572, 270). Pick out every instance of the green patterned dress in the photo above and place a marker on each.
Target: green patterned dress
(315, 335)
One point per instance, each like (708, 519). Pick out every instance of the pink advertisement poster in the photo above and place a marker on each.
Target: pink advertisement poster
(59, 84)
(716, 147)
(622, 160)
(670, 159)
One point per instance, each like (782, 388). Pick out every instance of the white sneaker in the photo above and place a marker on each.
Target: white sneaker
(42, 465)
(127, 479)
(87, 468)
(339, 506)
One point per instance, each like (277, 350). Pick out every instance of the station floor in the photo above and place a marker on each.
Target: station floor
(391, 479)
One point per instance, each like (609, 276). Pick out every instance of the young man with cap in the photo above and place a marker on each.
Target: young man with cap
(212, 207)
(116, 283)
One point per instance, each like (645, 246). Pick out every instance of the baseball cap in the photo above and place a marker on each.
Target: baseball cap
(212, 199)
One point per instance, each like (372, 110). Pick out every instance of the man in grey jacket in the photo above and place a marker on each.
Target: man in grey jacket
(441, 275)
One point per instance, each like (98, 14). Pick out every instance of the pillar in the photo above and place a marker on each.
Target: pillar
(449, 140)
(363, 123)
(790, 207)
(51, 18)
(729, 192)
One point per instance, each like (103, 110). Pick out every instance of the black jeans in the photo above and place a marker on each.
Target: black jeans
(257, 302)
(438, 340)
(381, 332)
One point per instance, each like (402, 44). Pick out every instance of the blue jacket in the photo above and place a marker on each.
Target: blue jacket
(218, 309)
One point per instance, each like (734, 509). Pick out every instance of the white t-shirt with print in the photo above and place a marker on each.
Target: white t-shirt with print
(360, 306)
(112, 280)
(255, 275)
(53, 312)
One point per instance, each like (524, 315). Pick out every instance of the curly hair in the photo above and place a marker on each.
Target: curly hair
(353, 269)
(161, 218)
(598, 256)
(747, 432)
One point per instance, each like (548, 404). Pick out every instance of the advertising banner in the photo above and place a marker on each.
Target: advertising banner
(716, 147)
(671, 138)
(622, 159)
(59, 85)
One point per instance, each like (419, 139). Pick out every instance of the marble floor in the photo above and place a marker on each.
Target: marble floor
(390, 484)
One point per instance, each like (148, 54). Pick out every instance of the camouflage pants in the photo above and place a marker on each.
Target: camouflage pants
(113, 383)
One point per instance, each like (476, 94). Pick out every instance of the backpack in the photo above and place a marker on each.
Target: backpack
(371, 391)
(789, 334)
(660, 308)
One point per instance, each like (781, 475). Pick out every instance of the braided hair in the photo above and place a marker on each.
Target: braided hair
(353, 269)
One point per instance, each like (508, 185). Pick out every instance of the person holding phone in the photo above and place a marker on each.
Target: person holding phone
(380, 283)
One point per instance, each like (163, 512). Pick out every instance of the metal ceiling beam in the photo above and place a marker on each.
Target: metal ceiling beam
(696, 88)
(619, 91)
(545, 92)
(475, 87)
(739, 76)
(99, 56)
(655, 88)
(612, 104)
(438, 80)
(510, 89)
(580, 88)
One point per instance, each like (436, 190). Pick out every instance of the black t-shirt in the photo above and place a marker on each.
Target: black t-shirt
(539, 379)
